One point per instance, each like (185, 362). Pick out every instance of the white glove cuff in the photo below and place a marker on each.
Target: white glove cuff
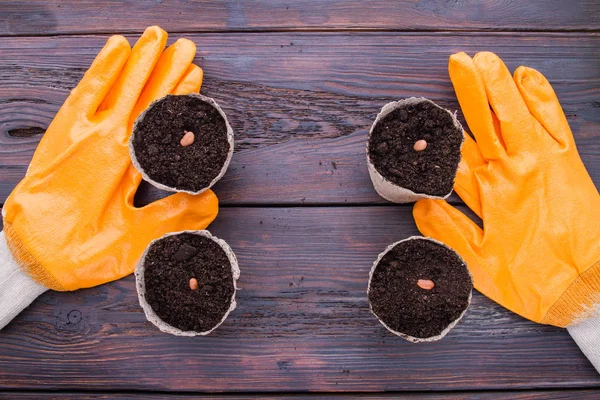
(587, 336)
(17, 289)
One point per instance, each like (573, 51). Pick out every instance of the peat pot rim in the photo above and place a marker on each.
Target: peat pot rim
(230, 140)
(404, 335)
(383, 186)
(140, 285)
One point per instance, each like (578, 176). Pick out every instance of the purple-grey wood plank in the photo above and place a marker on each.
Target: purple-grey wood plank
(52, 17)
(302, 324)
(301, 104)
(579, 394)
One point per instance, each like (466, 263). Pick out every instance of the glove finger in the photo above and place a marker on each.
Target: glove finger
(473, 101)
(543, 104)
(516, 123)
(191, 81)
(145, 54)
(441, 221)
(101, 76)
(466, 184)
(85, 99)
(179, 211)
(171, 66)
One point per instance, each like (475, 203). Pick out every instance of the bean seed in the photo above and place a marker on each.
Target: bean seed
(425, 284)
(420, 145)
(187, 139)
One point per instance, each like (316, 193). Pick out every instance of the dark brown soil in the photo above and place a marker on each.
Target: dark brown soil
(398, 301)
(430, 171)
(169, 266)
(157, 147)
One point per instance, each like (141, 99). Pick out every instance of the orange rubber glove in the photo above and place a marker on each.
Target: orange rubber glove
(539, 252)
(71, 223)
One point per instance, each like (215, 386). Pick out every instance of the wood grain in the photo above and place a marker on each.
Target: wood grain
(302, 324)
(301, 104)
(301, 82)
(63, 17)
(579, 394)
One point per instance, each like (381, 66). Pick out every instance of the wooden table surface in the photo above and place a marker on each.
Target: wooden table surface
(301, 82)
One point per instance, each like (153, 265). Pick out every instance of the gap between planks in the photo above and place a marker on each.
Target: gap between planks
(590, 31)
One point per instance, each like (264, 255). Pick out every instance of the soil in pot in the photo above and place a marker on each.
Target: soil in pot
(158, 146)
(189, 282)
(419, 288)
(396, 148)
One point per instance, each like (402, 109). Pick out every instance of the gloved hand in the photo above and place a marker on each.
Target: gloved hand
(71, 223)
(539, 252)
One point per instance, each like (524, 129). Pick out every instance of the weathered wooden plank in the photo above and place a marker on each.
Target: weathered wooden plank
(580, 394)
(62, 17)
(301, 104)
(302, 324)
